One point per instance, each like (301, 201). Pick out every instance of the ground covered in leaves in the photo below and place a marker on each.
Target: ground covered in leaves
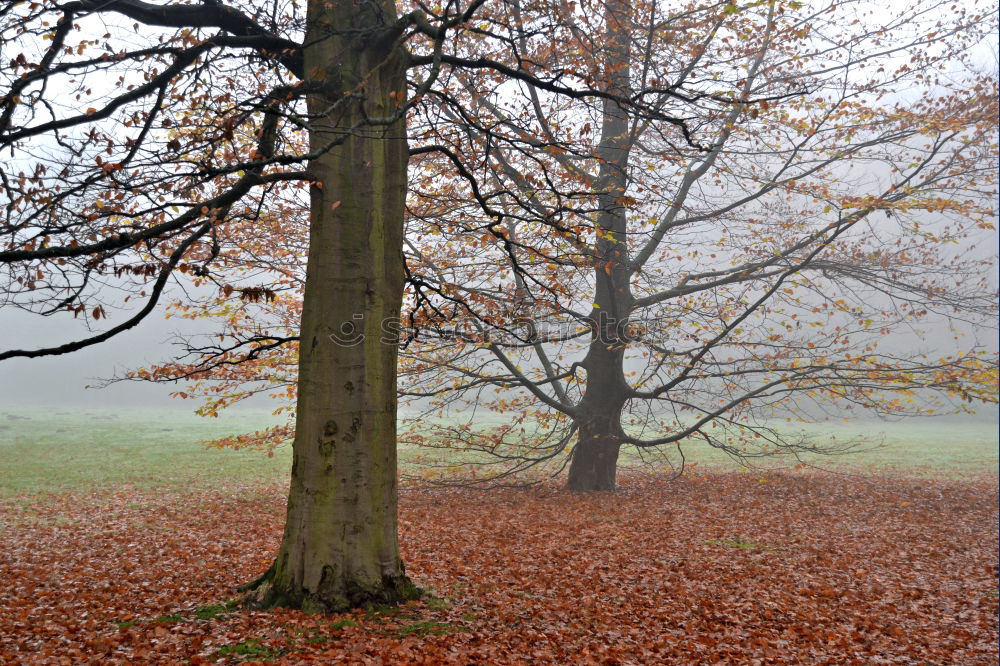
(716, 568)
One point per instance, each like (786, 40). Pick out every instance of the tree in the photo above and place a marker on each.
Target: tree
(622, 278)
(133, 164)
(696, 289)
(101, 192)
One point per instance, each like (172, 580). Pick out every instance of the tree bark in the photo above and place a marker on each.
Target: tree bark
(595, 456)
(340, 547)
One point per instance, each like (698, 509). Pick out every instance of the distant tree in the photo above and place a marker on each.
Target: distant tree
(843, 174)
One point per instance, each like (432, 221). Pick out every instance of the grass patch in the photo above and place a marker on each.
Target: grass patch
(173, 618)
(338, 625)
(315, 635)
(320, 635)
(942, 447)
(401, 621)
(210, 612)
(312, 635)
(207, 612)
(379, 612)
(437, 603)
(253, 647)
(47, 451)
(427, 628)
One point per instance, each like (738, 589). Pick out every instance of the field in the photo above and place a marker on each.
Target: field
(122, 541)
(51, 450)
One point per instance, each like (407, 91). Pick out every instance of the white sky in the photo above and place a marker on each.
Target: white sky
(63, 380)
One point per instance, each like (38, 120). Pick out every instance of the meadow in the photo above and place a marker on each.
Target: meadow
(52, 450)
(122, 540)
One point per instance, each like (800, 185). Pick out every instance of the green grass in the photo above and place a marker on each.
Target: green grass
(316, 635)
(170, 619)
(953, 447)
(52, 450)
(427, 628)
(208, 612)
(253, 647)
(916, 447)
(212, 611)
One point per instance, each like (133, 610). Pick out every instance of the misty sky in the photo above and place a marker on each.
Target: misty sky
(62, 380)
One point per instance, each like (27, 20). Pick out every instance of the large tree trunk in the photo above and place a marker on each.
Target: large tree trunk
(595, 456)
(340, 547)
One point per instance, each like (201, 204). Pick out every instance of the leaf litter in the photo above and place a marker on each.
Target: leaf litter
(713, 568)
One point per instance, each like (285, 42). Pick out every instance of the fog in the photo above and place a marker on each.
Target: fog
(72, 380)
(63, 380)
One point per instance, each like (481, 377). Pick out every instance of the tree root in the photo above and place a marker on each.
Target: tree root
(261, 594)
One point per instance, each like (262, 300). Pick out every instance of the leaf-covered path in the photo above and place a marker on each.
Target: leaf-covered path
(730, 568)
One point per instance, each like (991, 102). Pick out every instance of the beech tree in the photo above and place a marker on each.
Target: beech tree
(112, 186)
(147, 140)
(628, 278)
(685, 293)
